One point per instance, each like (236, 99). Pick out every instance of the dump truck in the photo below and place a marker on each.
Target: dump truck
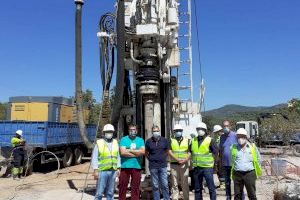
(48, 123)
(62, 139)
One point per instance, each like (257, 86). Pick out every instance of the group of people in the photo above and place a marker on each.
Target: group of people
(231, 153)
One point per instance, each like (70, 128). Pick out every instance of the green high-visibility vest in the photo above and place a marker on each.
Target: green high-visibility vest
(16, 141)
(201, 156)
(256, 164)
(179, 151)
(107, 158)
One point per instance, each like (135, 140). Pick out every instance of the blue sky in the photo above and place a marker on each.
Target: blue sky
(250, 50)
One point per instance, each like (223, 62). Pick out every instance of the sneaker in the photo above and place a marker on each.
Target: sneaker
(16, 178)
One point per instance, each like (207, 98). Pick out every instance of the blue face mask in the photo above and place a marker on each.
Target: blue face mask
(226, 130)
(178, 134)
(156, 134)
(132, 133)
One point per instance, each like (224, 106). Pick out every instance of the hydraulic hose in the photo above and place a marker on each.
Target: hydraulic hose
(120, 78)
(78, 75)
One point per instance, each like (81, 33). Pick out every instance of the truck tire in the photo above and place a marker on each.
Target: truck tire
(78, 156)
(68, 157)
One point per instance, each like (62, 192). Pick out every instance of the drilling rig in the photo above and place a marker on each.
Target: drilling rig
(147, 44)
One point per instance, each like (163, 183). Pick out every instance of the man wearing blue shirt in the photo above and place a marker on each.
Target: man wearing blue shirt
(157, 149)
(226, 141)
(132, 149)
(246, 166)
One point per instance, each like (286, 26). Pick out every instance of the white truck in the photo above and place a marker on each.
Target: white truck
(251, 127)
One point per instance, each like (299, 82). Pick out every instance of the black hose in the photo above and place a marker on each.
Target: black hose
(120, 65)
(78, 75)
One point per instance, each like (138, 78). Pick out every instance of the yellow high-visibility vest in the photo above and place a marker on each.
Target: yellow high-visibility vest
(107, 158)
(179, 151)
(201, 156)
(16, 141)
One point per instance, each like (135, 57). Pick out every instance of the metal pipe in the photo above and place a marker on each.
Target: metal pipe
(132, 55)
(148, 114)
(78, 75)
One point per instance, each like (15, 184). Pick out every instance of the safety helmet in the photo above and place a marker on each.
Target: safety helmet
(108, 128)
(19, 132)
(217, 128)
(201, 125)
(242, 131)
(177, 127)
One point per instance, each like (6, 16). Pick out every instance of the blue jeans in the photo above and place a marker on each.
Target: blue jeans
(208, 174)
(106, 185)
(159, 180)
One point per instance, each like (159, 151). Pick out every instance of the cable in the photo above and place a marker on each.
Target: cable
(198, 42)
(199, 55)
(29, 159)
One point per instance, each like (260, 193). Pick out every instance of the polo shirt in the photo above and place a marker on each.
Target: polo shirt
(157, 152)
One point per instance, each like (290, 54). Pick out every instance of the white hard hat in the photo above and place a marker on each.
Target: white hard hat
(242, 131)
(217, 128)
(19, 132)
(177, 127)
(108, 127)
(201, 125)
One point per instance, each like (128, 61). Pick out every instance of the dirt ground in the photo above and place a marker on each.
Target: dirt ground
(68, 184)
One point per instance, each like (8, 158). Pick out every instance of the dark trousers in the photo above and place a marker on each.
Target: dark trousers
(226, 173)
(199, 174)
(247, 179)
(18, 161)
(125, 175)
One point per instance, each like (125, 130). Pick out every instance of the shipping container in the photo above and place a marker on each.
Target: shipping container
(44, 108)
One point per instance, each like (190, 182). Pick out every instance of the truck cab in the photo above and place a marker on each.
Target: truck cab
(251, 127)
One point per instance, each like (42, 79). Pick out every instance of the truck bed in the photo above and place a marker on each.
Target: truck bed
(44, 134)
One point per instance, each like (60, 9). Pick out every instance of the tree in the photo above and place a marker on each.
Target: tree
(3, 109)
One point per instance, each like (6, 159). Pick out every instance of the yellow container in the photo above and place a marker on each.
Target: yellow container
(53, 109)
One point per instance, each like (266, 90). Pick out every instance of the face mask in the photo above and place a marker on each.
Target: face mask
(226, 130)
(178, 134)
(108, 136)
(242, 141)
(156, 134)
(132, 133)
(201, 132)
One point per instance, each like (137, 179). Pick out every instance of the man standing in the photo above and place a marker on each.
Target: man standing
(217, 132)
(246, 166)
(132, 149)
(157, 148)
(18, 155)
(106, 162)
(203, 151)
(179, 154)
(226, 141)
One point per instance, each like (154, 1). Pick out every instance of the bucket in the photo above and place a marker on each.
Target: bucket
(278, 167)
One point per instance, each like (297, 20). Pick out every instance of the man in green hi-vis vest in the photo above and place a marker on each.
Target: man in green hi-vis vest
(18, 154)
(203, 150)
(106, 163)
(246, 166)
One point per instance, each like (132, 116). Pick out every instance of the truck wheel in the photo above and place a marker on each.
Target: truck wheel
(68, 157)
(78, 156)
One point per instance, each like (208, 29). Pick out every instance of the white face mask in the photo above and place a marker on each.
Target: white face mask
(108, 136)
(242, 141)
(201, 132)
